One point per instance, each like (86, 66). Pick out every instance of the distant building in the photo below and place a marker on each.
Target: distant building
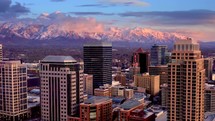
(61, 87)
(133, 71)
(102, 91)
(127, 107)
(158, 55)
(121, 78)
(208, 65)
(150, 82)
(96, 109)
(13, 88)
(164, 95)
(160, 70)
(98, 62)
(1, 52)
(88, 84)
(117, 91)
(141, 59)
(128, 93)
(186, 82)
(209, 98)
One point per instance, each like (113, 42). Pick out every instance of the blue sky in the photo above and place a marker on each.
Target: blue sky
(191, 16)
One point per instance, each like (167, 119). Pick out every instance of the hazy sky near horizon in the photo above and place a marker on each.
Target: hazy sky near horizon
(191, 17)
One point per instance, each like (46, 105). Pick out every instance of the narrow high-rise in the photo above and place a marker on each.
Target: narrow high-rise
(1, 52)
(141, 59)
(13, 88)
(159, 55)
(61, 87)
(208, 68)
(186, 82)
(98, 62)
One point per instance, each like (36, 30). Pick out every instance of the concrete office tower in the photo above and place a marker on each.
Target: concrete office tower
(141, 59)
(186, 82)
(208, 64)
(96, 109)
(1, 52)
(209, 98)
(13, 81)
(88, 84)
(160, 70)
(61, 87)
(98, 62)
(159, 55)
(150, 82)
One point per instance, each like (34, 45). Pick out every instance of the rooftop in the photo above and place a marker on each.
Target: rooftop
(53, 58)
(140, 50)
(186, 41)
(98, 44)
(129, 104)
(96, 100)
(209, 87)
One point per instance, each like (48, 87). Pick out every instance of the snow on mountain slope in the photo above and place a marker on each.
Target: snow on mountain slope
(52, 31)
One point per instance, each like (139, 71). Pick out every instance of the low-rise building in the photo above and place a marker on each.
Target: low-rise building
(96, 109)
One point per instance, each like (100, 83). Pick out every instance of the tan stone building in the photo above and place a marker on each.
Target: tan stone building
(150, 82)
(186, 82)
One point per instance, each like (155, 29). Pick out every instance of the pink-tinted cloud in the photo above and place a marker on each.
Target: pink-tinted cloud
(67, 23)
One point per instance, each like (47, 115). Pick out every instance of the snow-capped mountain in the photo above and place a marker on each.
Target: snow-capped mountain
(65, 30)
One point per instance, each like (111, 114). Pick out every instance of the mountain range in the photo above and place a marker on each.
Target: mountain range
(22, 31)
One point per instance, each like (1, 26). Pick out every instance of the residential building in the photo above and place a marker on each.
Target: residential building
(13, 88)
(186, 82)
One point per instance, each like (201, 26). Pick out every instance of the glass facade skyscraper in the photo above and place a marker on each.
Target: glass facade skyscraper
(98, 62)
(158, 55)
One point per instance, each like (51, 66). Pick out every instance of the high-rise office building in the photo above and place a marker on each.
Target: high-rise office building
(158, 55)
(13, 81)
(141, 59)
(1, 52)
(186, 82)
(208, 64)
(96, 109)
(61, 87)
(98, 62)
(160, 70)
